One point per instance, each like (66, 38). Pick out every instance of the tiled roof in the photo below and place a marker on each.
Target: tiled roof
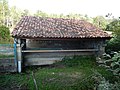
(39, 27)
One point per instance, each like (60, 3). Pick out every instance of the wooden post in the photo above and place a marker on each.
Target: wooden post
(23, 47)
(23, 43)
(15, 53)
(19, 55)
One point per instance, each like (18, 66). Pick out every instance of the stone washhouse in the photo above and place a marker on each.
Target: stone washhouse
(44, 40)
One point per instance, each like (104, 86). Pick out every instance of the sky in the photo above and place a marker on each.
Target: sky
(89, 7)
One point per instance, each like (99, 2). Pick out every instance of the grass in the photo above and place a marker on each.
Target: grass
(2, 56)
(75, 73)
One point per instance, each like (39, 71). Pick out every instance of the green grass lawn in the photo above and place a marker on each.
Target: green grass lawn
(78, 73)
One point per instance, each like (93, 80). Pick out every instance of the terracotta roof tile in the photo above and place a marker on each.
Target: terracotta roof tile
(38, 27)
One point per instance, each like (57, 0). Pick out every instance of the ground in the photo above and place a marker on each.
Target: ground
(77, 73)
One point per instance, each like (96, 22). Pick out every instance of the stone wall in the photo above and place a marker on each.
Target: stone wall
(7, 65)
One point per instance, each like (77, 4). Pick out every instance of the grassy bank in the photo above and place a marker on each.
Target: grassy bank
(77, 73)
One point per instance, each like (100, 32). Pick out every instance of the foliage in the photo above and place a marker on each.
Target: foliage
(41, 14)
(111, 63)
(114, 43)
(102, 84)
(9, 16)
(115, 65)
(100, 22)
(25, 12)
(106, 85)
(114, 25)
(4, 11)
(15, 15)
(70, 16)
(4, 33)
(8, 41)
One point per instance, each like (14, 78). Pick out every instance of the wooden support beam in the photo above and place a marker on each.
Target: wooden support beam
(23, 43)
(78, 50)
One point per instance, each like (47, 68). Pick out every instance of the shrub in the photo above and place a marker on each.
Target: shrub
(111, 63)
(113, 45)
(4, 33)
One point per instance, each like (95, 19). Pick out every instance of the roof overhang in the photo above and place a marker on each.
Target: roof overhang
(64, 38)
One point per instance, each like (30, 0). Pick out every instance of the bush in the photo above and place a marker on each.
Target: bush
(4, 33)
(111, 63)
(113, 45)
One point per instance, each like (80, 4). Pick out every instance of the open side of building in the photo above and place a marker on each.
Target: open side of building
(42, 41)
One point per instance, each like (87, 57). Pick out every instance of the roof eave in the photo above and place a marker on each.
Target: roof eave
(45, 38)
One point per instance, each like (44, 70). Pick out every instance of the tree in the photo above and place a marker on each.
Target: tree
(41, 14)
(100, 22)
(54, 16)
(4, 12)
(25, 12)
(74, 16)
(116, 30)
(114, 43)
(4, 33)
(62, 16)
(15, 15)
(114, 26)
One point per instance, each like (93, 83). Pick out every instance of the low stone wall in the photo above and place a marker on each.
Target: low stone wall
(7, 65)
(49, 58)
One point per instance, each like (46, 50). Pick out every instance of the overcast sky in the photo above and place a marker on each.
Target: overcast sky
(89, 7)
